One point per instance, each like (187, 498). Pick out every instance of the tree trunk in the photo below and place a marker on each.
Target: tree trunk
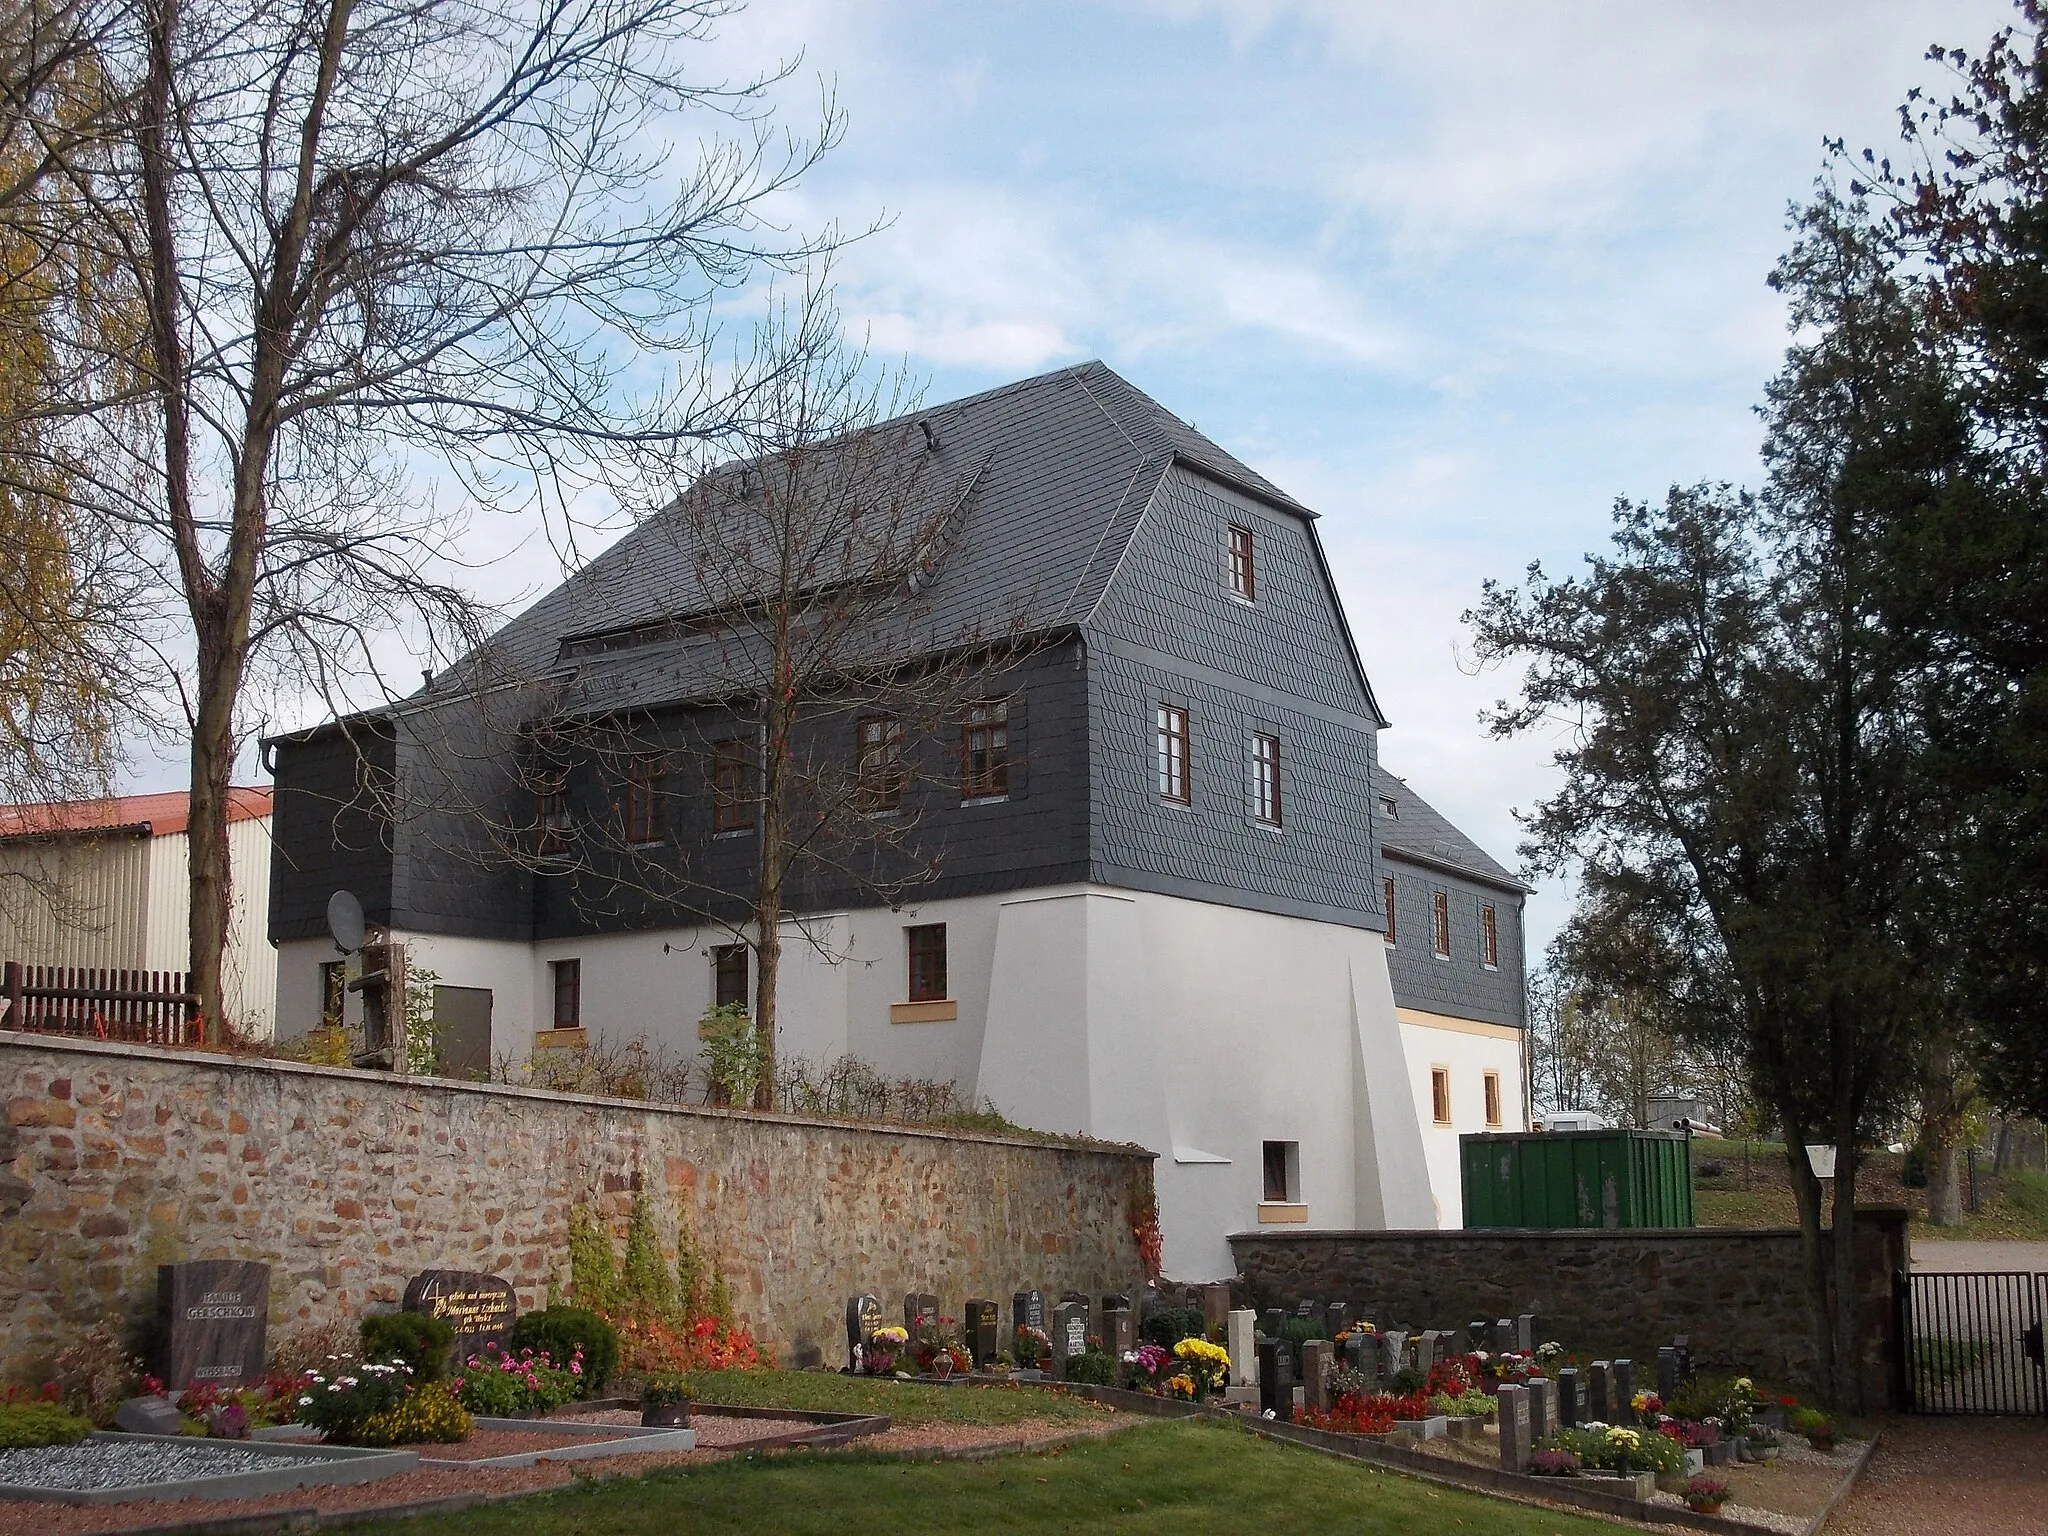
(206, 840)
(1806, 1191)
(768, 902)
(767, 974)
(1848, 1331)
(1944, 1183)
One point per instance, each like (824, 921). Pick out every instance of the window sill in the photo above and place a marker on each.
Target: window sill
(731, 832)
(1241, 600)
(645, 843)
(1279, 1213)
(1484, 966)
(939, 1010)
(576, 1039)
(1444, 1125)
(985, 799)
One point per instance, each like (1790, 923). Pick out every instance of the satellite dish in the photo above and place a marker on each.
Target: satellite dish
(345, 921)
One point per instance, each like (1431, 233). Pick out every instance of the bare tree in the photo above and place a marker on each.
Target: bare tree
(393, 254)
(815, 701)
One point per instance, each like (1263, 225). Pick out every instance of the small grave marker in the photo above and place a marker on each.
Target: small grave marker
(211, 1320)
(1667, 1372)
(978, 1326)
(1276, 1378)
(1027, 1310)
(1069, 1335)
(1504, 1336)
(1542, 1408)
(920, 1309)
(480, 1308)
(1525, 1333)
(1623, 1386)
(1571, 1398)
(1270, 1322)
(1315, 1375)
(1600, 1393)
(863, 1317)
(1515, 1438)
(1119, 1331)
(1337, 1318)
(1215, 1306)
(1308, 1307)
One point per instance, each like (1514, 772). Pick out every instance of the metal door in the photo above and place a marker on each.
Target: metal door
(1973, 1342)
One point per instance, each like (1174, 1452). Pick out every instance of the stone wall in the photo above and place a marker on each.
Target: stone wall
(114, 1159)
(1739, 1295)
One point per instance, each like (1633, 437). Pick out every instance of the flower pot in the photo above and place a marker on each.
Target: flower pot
(665, 1415)
(1705, 1506)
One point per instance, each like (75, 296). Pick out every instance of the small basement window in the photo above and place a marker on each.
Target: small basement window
(1282, 1164)
(1440, 1095)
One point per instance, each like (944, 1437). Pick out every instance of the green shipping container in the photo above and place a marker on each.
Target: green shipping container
(1577, 1179)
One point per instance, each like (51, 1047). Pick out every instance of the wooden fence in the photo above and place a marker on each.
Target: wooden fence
(141, 1007)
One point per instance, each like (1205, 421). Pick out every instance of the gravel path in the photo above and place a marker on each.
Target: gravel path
(1961, 1255)
(1952, 1477)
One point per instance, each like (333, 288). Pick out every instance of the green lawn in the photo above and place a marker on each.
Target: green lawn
(904, 1402)
(1173, 1479)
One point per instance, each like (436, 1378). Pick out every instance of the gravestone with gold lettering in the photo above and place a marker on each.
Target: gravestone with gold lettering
(480, 1308)
(212, 1316)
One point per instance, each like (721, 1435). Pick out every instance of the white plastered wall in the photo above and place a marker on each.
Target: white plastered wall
(1468, 1051)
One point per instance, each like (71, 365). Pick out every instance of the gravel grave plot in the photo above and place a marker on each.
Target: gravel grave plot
(452, 1479)
(99, 1464)
(483, 1444)
(1952, 1477)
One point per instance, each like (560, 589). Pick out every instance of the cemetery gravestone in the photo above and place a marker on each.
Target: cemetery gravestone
(1215, 1307)
(1430, 1351)
(1571, 1398)
(1270, 1322)
(1667, 1372)
(920, 1310)
(1315, 1375)
(1600, 1396)
(1241, 1333)
(1624, 1388)
(1308, 1308)
(480, 1308)
(152, 1415)
(863, 1317)
(1542, 1409)
(1077, 1298)
(978, 1329)
(1525, 1333)
(1276, 1378)
(1475, 1336)
(1394, 1352)
(1504, 1336)
(1108, 1305)
(1027, 1310)
(1119, 1331)
(1515, 1440)
(1069, 1335)
(1682, 1343)
(1337, 1319)
(211, 1321)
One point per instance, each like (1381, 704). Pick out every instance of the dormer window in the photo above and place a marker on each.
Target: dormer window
(1388, 809)
(1244, 578)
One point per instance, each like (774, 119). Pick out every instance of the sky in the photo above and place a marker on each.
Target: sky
(1457, 275)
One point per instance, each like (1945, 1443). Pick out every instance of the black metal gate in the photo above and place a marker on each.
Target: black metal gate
(1972, 1343)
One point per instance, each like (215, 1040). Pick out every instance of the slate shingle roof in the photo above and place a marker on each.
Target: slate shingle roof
(1420, 832)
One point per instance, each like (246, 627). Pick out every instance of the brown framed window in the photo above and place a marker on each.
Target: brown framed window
(333, 992)
(643, 800)
(1266, 780)
(551, 810)
(1489, 938)
(732, 785)
(567, 976)
(879, 741)
(985, 751)
(1281, 1162)
(729, 975)
(1171, 726)
(1244, 576)
(1493, 1098)
(1387, 885)
(926, 943)
(1440, 1095)
(1440, 914)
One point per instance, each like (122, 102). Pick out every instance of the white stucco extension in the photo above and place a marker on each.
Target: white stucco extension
(1199, 1030)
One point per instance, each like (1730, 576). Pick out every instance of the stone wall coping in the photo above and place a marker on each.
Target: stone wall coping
(1538, 1234)
(230, 1062)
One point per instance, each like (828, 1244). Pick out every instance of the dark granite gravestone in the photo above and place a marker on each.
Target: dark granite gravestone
(1270, 1321)
(211, 1320)
(863, 1317)
(1525, 1333)
(1667, 1372)
(1027, 1310)
(1276, 1379)
(1315, 1374)
(1542, 1409)
(1308, 1307)
(1215, 1307)
(1430, 1349)
(1119, 1331)
(1475, 1335)
(1336, 1318)
(480, 1308)
(1504, 1336)
(1069, 1335)
(152, 1415)
(1571, 1398)
(1683, 1344)
(979, 1322)
(920, 1308)
(1516, 1437)
(1623, 1385)
(1079, 1298)
(1599, 1393)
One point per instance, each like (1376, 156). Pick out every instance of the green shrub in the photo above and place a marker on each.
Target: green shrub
(498, 1385)
(1167, 1326)
(1092, 1367)
(559, 1332)
(1913, 1171)
(1707, 1397)
(23, 1425)
(412, 1338)
(343, 1405)
(1297, 1331)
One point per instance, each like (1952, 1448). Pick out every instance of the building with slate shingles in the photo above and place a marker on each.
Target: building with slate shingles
(1161, 912)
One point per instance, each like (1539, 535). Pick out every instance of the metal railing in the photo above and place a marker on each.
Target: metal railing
(1972, 1342)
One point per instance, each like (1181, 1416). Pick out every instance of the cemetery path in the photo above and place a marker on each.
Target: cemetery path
(1971, 1477)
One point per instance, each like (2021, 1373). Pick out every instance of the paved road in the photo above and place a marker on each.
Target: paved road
(1934, 1257)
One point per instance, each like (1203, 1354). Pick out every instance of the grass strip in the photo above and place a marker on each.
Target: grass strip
(904, 1402)
(1177, 1478)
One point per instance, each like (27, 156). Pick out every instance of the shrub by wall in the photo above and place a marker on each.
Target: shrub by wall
(115, 1158)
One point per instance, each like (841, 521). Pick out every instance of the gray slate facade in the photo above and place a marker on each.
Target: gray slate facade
(1096, 522)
